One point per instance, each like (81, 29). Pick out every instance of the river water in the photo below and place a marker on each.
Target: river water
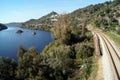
(10, 40)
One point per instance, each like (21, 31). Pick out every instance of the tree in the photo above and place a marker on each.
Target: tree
(67, 29)
(7, 69)
(21, 51)
(60, 61)
(116, 2)
(62, 29)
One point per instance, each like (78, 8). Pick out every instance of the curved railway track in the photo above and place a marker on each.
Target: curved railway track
(108, 41)
(113, 56)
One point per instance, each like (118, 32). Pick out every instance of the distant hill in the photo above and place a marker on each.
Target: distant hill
(43, 23)
(15, 24)
(104, 15)
(2, 26)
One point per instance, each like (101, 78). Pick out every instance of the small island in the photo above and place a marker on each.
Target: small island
(2, 27)
(19, 31)
(33, 33)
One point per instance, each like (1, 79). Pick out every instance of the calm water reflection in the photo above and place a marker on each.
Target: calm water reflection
(10, 40)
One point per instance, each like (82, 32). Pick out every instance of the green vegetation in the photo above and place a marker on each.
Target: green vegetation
(7, 68)
(70, 57)
(66, 31)
(44, 23)
(105, 16)
(116, 2)
(114, 37)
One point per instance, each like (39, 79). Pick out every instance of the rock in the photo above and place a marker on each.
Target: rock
(2, 26)
(34, 33)
(19, 31)
(117, 28)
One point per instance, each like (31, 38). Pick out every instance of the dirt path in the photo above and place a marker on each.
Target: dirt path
(100, 70)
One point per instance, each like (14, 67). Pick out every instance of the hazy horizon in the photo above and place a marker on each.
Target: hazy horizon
(23, 10)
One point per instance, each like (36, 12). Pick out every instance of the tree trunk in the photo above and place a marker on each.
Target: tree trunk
(83, 28)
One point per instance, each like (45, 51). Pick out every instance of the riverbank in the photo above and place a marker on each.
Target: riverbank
(2, 27)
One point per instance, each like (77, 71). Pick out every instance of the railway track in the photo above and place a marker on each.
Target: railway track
(108, 41)
(113, 55)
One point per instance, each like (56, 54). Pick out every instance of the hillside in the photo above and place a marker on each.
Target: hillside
(105, 15)
(71, 56)
(43, 23)
(16, 24)
(2, 26)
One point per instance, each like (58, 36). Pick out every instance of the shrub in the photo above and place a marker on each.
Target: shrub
(83, 50)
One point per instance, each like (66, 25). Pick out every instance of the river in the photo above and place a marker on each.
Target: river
(10, 40)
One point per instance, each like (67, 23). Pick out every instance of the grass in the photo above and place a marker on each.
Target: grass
(115, 37)
(94, 69)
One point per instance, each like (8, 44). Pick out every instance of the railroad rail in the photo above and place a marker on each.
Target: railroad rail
(113, 56)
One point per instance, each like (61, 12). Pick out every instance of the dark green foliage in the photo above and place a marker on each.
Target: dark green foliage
(101, 23)
(69, 57)
(116, 2)
(25, 62)
(54, 67)
(56, 62)
(113, 21)
(103, 15)
(83, 51)
(67, 30)
(7, 69)
(61, 60)
(21, 51)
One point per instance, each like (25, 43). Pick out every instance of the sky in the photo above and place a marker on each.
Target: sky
(23, 10)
